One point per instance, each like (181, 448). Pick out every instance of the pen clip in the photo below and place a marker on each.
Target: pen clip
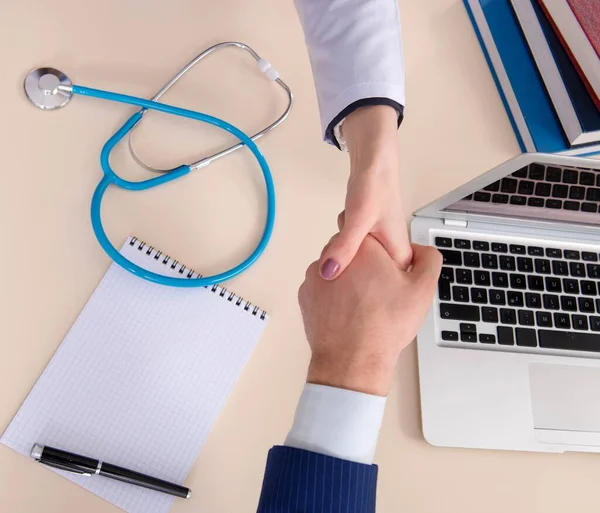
(66, 468)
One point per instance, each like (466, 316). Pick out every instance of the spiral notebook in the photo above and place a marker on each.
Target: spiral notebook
(140, 378)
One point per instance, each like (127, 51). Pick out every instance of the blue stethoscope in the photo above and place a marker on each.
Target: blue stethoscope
(48, 88)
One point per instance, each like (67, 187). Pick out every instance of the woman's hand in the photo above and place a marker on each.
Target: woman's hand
(373, 202)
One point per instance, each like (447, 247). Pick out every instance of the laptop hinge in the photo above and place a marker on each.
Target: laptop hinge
(460, 223)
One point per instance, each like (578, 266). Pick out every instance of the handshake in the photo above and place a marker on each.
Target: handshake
(366, 298)
(358, 323)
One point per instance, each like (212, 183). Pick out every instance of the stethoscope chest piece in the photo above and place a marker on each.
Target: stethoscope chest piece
(48, 88)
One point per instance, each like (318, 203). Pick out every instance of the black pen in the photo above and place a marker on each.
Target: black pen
(86, 466)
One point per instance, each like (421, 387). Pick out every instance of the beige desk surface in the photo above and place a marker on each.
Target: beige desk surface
(455, 129)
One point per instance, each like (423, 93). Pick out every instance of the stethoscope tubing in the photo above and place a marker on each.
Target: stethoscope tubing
(263, 65)
(112, 178)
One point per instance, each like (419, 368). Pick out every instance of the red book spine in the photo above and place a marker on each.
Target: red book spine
(588, 86)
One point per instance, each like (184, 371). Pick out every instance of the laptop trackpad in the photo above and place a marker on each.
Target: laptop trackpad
(566, 403)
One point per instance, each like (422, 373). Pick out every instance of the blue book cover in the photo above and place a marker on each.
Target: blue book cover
(585, 108)
(533, 118)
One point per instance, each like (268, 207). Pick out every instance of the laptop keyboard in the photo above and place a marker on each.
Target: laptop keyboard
(528, 296)
(538, 185)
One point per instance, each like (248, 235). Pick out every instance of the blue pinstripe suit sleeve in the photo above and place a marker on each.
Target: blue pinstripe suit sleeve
(298, 481)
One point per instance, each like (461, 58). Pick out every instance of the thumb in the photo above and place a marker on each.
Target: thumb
(342, 249)
(396, 243)
(426, 263)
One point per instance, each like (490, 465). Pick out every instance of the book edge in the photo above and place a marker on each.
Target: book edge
(517, 120)
(593, 86)
(551, 75)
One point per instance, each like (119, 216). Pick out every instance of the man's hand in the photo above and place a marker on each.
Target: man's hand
(358, 324)
(373, 201)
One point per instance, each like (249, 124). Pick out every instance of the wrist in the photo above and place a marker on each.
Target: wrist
(369, 375)
(371, 138)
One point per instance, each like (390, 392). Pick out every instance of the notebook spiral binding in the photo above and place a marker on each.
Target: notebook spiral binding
(190, 273)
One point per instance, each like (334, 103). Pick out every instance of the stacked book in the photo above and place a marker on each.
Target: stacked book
(545, 58)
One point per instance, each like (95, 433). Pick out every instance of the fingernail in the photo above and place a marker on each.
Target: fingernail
(330, 269)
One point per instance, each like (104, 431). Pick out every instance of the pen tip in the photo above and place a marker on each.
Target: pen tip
(189, 494)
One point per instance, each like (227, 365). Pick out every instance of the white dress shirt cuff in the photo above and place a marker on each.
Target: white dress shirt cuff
(337, 422)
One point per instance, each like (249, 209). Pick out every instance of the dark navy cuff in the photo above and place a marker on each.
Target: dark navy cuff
(364, 102)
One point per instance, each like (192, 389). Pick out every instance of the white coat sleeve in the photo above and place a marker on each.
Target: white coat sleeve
(355, 50)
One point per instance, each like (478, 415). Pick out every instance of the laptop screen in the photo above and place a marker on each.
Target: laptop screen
(539, 191)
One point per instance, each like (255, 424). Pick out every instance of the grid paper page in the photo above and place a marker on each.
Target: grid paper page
(139, 379)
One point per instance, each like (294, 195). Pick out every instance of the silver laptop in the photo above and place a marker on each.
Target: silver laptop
(509, 355)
